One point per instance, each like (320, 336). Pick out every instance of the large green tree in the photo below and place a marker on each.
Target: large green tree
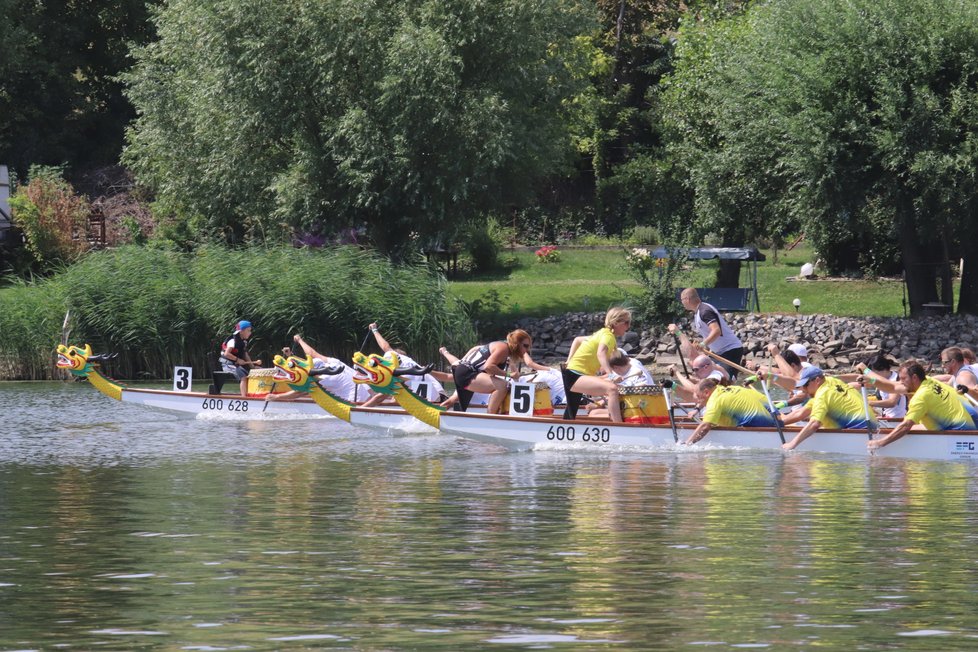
(60, 101)
(405, 116)
(859, 119)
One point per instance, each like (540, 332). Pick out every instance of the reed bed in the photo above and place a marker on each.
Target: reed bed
(158, 309)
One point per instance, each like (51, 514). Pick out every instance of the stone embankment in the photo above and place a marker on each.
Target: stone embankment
(832, 342)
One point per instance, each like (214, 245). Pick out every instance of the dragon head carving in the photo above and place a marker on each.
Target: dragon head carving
(79, 361)
(377, 371)
(296, 372)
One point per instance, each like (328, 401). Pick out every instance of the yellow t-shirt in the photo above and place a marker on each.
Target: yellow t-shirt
(737, 406)
(836, 405)
(938, 407)
(585, 360)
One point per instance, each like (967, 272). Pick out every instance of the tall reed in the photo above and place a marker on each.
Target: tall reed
(158, 309)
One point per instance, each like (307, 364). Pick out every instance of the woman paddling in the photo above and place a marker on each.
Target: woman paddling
(487, 367)
(592, 357)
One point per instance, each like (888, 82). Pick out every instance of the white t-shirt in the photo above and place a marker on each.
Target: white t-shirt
(433, 389)
(639, 374)
(899, 410)
(555, 383)
(703, 316)
(341, 385)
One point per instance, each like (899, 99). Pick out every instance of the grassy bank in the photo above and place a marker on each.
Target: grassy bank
(595, 279)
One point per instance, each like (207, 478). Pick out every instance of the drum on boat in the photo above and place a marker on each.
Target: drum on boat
(643, 404)
(261, 382)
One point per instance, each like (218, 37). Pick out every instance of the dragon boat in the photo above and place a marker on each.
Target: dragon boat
(521, 433)
(82, 363)
(385, 376)
(650, 424)
(292, 373)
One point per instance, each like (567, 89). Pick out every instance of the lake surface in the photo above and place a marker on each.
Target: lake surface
(123, 528)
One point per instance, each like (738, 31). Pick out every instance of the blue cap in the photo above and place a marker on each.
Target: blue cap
(243, 324)
(807, 375)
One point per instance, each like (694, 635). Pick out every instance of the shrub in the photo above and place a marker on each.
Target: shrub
(548, 254)
(485, 240)
(659, 277)
(52, 218)
(644, 235)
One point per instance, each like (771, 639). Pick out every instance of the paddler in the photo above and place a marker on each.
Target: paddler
(732, 406)
(834, 405)
(934, 405)
(593, 357)
(433, 389)
(234, 356)
(487, 368)
(960, 375)
(340, 385)
(702, 367)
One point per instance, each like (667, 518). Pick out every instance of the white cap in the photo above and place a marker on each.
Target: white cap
(799, 350)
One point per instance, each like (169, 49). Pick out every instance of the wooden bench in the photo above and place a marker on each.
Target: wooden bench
(726, 299)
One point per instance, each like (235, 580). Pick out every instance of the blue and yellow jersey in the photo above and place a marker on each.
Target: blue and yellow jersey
(836, 406)
(585, 360)
(737, 406)
(938, 407)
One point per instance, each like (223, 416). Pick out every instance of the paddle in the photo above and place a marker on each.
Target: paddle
(871, 425)
(65, 331)
(270, 392)
(775, 412)
(666, 384)
(723, 360)
(679, 349)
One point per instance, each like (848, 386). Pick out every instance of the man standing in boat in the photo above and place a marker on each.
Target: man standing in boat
(834, 405)
(713, 328)
(934, 405)
(234, 354)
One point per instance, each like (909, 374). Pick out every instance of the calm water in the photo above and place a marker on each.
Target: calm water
(123, 528)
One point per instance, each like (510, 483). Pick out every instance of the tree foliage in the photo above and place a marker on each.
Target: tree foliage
(401, 116)
(60, 101)
(856, 120)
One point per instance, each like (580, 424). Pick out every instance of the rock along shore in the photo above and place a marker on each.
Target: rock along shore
(832, 342)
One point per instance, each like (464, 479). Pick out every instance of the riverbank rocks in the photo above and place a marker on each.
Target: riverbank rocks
(834, 343)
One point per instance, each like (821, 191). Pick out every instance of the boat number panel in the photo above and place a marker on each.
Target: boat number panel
(588, 434)
(220, 405)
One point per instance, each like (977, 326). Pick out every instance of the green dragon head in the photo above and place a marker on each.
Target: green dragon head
(377, 371)
(79, 361)
(295, 372)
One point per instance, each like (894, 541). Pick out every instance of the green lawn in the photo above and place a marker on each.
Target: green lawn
(595, 279)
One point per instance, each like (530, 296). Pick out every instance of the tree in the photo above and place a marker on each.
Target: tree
(406, 117)
(856, 118)
(60, 101)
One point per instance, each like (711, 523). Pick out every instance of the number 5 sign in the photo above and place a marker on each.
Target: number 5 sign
(521, 399)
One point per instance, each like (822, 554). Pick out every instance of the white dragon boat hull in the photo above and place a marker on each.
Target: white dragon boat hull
(387, 419)
(225, 405)
(521, 433)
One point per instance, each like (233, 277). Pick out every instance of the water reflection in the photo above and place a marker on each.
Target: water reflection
(134, 529)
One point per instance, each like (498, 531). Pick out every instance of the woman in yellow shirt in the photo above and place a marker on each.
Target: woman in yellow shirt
(591, 358)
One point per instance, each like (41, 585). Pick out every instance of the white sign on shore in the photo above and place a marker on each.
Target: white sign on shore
(4, 200)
